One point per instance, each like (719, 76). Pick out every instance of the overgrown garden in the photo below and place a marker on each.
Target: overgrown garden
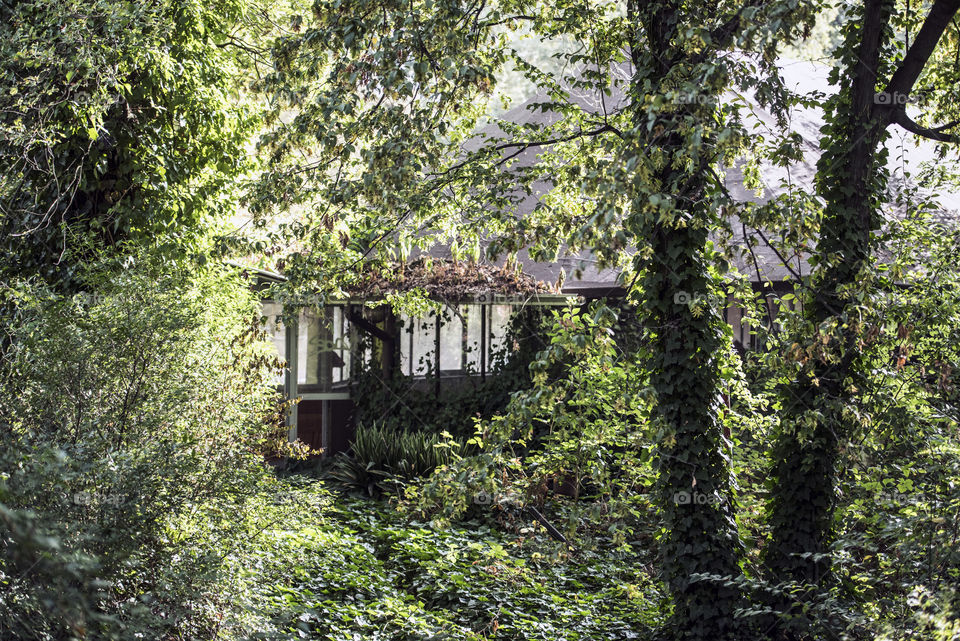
(631, 473)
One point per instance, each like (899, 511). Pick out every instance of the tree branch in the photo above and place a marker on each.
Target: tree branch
(722, 35)
(497, 23)
(783, 260)
(541, 143)
(901, 118)
(903, 79)
(520, 147)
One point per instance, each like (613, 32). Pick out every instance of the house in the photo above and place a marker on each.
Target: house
(330, 349)
(355, 359)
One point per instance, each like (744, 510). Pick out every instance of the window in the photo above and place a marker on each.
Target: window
(499, 316)
(418, 342)
(474, 345)
(276, 331)
(469, 339)
(464, 340)
(323, 344)
(451, 341)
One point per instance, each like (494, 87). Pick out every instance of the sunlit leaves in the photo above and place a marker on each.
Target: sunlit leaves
(119, 121)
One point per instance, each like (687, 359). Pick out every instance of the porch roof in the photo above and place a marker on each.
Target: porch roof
(443, 280)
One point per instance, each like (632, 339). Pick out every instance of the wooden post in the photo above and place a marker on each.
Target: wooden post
(325, 373)
(292, 345)
(326, 432)
(389, 344)
(483, 342)
(436, 353)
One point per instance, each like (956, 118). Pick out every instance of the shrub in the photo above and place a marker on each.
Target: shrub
(405, 454)
(132, 417)
(358, 569)
(382, 452)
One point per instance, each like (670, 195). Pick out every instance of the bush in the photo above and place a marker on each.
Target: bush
(132, 421)
(405, 454)
(358, 569)
(382, 452)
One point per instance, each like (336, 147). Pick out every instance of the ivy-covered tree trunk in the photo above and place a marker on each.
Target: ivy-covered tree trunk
(851, 180)
(805, 452)
(700, 535)
(693, 489)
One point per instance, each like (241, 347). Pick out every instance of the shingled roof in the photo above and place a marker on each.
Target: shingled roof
(579, 273)
(445, 280)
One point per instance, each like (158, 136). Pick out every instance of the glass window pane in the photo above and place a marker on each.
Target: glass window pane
(309, 348)
(497, 331)
(340, 371)
(406, 341)
(451, 340)
(276, 332)
(473, 346)
(320, 352)
(349, 336)
(424, 345)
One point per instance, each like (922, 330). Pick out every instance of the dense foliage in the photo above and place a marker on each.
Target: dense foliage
(350, 569)
(118, 121)
(625, 472)
(420, 408)
(134, 417)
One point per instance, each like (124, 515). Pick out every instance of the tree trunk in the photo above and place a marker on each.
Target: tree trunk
(851, 181)
(693, 486)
